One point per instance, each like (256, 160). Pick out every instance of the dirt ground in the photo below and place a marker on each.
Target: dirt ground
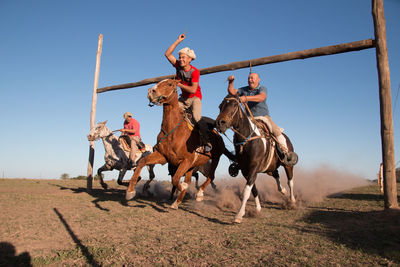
(56, 222)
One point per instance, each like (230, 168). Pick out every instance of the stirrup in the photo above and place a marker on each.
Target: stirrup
(207, 147)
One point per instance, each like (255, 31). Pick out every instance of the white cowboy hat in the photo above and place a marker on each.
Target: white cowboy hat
(189, 52)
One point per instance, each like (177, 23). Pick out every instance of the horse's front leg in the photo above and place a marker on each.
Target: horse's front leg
(153, 158)
(251, 179)
(254, 191)
(210, 179)
(99, 173)
(182, 187)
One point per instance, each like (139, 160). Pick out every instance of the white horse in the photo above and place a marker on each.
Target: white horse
(116, 157)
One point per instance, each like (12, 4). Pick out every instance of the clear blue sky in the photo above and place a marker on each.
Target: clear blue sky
(328, 106)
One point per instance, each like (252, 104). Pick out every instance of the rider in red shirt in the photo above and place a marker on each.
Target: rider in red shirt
(189, 77)
(132, 129)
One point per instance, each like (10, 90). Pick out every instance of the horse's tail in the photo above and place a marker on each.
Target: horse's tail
(229, 155)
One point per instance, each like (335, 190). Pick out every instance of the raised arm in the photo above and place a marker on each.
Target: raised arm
(170, 50)
(231, 89)
(255, 98)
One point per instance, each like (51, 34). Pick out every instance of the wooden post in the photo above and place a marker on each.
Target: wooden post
(93, 114)
(315, 52)
(385, 99)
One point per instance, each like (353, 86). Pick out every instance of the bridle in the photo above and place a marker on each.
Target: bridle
(157, 100)
(241, 113)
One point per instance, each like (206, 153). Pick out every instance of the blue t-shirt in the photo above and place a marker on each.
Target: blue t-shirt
(257, 108)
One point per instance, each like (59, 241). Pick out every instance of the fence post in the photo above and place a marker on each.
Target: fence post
(93, 114)
(385, 101)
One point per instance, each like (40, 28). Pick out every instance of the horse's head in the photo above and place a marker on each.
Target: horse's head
(99, 131)
(162, 92)
(229, 110)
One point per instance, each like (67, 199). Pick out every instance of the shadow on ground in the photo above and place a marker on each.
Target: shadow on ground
(375, 232)
(142, 199)
(8, 256)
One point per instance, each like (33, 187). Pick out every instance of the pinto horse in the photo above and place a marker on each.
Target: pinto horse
(255, 153)
(178, 144)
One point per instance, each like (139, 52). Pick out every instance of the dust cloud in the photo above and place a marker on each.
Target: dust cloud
(310, 186)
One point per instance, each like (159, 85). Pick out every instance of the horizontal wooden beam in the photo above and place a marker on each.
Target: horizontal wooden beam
(316, 52)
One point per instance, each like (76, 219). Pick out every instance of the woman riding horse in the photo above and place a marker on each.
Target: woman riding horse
(178, 144)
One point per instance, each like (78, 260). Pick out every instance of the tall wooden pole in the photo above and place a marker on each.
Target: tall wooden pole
(93, 113)
(385, 99)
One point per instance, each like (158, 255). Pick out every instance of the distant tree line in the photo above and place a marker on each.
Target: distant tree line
(65, 176)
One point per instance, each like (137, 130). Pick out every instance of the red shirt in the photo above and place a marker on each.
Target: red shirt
(132, 125)
(188, 78)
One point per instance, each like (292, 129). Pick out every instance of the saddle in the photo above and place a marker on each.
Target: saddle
(291, 158)
(192, 124)
(207, 126)
(125, 141)
(262, 126)
(264, 129)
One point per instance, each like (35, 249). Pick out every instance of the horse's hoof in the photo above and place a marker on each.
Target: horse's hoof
(174, 206)
(237, 220)
(130, 195)
(184, 186)
(283, 191)
(105, 186)
(200, 196)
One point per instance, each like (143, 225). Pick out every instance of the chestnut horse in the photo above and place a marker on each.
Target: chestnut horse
(178, 144)
(255, 152)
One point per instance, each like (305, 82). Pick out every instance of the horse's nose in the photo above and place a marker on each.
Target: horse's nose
(221, 124)
(152, 90)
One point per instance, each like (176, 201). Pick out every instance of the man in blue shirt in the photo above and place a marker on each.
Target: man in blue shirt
(256, 97)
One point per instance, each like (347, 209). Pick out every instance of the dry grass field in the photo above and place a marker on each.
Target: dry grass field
(57, 223)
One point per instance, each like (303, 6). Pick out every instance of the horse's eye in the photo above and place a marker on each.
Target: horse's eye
(170, 84)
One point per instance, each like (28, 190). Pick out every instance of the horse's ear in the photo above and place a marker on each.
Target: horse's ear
(104, 122)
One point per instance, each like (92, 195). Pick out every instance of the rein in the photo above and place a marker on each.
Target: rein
(170, 132)
(161, 97)
(157, 102)
(239, 108)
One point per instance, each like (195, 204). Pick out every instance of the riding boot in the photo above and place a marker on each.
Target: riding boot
(288, 157)
(204, 136)
(282, 146)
